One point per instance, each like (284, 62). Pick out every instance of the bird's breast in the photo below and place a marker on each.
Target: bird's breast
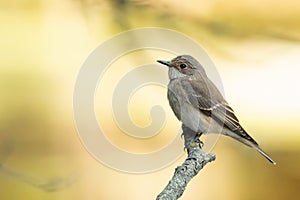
(184, 110)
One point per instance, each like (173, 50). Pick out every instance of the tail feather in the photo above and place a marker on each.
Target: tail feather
(264, 154)
(242, 136)
(249, 141)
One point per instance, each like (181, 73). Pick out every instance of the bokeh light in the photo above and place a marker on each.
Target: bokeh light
(254, 44)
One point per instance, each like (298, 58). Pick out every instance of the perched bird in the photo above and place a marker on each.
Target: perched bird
(198, 103)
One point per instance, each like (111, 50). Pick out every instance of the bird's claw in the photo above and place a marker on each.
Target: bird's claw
(198, 134)
(197, 139)
(201, 144)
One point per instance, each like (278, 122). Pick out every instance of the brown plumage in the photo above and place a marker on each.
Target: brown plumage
(198, 103)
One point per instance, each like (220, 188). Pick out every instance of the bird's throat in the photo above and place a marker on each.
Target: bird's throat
(174, 73)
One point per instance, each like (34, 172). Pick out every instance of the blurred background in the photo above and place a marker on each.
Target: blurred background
(254, 44)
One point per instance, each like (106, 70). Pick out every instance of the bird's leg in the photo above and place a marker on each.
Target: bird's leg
(197, 139)
(191, 138)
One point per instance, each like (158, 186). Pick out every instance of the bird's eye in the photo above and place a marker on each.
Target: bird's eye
(182, 66)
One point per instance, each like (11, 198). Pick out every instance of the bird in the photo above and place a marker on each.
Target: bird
(199, 105)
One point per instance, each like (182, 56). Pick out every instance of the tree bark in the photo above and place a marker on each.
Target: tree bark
(195, 161)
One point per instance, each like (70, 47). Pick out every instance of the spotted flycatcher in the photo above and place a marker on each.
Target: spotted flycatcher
(198, 103)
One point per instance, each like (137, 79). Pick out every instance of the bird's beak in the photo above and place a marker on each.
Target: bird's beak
(168, 63)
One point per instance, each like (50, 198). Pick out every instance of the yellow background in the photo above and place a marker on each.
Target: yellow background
(254, 44)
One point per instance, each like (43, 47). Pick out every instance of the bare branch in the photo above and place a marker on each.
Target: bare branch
(195, 161)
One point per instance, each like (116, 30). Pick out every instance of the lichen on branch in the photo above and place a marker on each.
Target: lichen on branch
(195, 161)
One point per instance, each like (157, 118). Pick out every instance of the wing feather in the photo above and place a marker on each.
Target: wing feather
(211, 102)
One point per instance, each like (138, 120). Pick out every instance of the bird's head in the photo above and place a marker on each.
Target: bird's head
(181, 66)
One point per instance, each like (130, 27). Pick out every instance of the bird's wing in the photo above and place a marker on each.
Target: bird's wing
(174, 103)
(205, 96)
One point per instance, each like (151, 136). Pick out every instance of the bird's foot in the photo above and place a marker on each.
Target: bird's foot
(197, 139)
(194, 142)
(182, 135)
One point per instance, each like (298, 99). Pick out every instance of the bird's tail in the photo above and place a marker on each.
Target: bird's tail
(263, 153)
(242, 136)
(249, 141)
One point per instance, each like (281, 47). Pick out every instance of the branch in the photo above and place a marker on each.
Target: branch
(195, 161)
